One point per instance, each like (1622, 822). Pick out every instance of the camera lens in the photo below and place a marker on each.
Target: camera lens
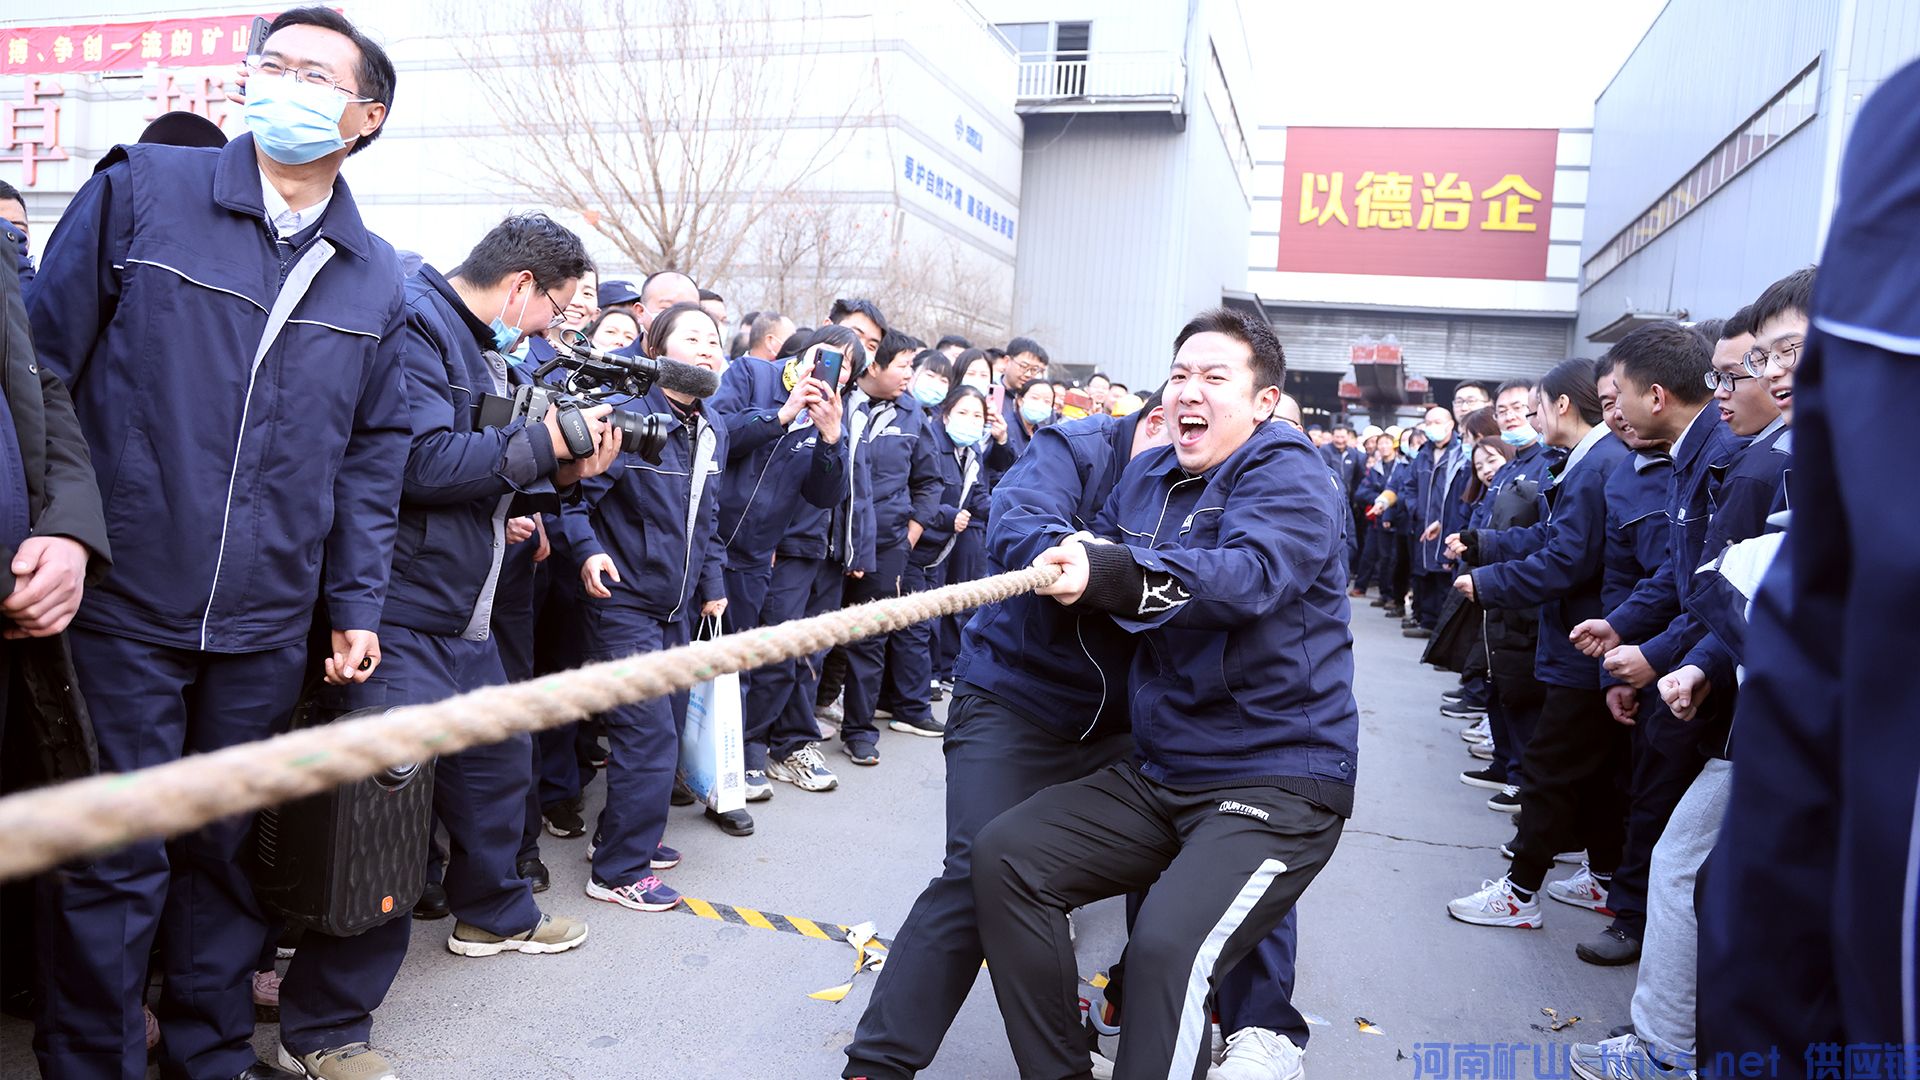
(641, 433)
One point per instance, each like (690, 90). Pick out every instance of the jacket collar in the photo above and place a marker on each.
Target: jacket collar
(1695, 439)
(482, 333)
(1584, 446)
(236, 186)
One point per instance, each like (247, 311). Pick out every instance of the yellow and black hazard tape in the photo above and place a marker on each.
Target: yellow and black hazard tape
(770, 920)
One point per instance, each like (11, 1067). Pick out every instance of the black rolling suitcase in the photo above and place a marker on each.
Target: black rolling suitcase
(346, 860)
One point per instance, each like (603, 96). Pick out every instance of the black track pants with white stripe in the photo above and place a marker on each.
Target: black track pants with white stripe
(1224, 866)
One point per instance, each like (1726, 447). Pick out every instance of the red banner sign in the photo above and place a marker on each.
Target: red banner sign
(174, 43)
(1421, 202)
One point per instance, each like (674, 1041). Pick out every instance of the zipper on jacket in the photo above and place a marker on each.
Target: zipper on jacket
(1082, 637)
(1165, 502)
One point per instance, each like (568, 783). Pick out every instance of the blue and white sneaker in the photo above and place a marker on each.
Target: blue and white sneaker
(647, 894)
(1624, 1058)
(758, 790)
(664, 858)
(804, 769)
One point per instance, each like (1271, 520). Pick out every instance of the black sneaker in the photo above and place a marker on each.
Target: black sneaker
(861, 751)
(1460, 710)
(1506, 800)
(682, 794)
(1378, 601)
(563, 820)
(1490, 778)
(733, 822)
(926, 726)
(535, 873)
(1417, 631)
(1452, 697)
(432, 903)
(1612, 948)
(1395, 611)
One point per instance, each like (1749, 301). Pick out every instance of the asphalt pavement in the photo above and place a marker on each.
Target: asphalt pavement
(675, 995)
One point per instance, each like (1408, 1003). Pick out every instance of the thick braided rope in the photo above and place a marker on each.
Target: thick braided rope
(41, 829)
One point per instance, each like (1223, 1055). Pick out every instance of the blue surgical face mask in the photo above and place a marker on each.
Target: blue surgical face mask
(1520, 437)
(505, 336)
(965, 430)
(1434, 432)
(294, 122)
(1036, 412)
(925, 392)
(978, 382)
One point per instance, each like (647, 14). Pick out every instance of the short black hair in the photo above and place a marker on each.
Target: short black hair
(844, 307)
(1514, 384)
(1603, 367)
(1711, 329)
(1022, 345)
(9, 193)
(663, 324)
(374, 73)
(1111, 384)
(709, 294)
(960, 393)
(1740, 325)
(1791, 293)
(647, 282)
(1576, 381)
(763, 323)
(1343, 426)
(934, 362)
(961, 362)
(1473, 384)
(1100, 375)
(1666, 354)
(533, 242)
(1035, 384)
(953, 339)
(1269, 360)
(893, 343)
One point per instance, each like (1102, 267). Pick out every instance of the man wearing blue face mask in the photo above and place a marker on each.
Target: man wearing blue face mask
(249, 430)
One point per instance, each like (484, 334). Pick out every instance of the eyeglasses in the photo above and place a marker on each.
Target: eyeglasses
(1757, 358)
(559, 310)
(1533, 414)
(274, 69)
(1511, 410)
(1033, 367)
(1725, 380)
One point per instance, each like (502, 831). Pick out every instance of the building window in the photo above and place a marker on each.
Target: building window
(1787, 112)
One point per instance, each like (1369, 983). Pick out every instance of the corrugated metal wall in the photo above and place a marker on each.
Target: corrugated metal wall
(1489, 347)
(1100, 257)
(1703, 69)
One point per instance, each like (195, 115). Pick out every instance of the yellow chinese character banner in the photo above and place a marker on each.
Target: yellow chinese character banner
(1420, 202)
(59, 50)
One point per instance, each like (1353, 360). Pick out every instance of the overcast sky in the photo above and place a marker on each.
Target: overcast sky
(1421, 64)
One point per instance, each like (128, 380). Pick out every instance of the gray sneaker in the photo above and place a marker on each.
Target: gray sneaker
(805, 769)
(552, 934)
(1624, 1058)
(354, 1061)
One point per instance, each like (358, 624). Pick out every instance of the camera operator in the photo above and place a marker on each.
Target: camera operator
(462, 483)
(224, 321)
(644, 540)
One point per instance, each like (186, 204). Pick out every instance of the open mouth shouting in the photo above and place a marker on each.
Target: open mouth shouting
(1191, 430)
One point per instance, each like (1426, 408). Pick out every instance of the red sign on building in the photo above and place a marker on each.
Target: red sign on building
(1420, 202)
(174, 43)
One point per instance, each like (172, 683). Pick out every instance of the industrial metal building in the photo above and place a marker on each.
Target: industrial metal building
(1716, 152)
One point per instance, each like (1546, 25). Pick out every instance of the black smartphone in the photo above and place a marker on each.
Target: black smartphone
(826, 366)
(258, 39)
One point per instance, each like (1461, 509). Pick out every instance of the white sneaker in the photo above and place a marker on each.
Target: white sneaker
(1580, 890)
(1496, 905)
(758, 790)
(804, 769)
(1572, 858)
(1258, 1054)
(1480, 730)
(1102, 1068)
(1482, 751)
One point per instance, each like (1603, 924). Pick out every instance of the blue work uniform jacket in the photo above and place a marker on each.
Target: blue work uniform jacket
(771, 469)
(233, 464)
(1636, 524)
(1434, 473)
(1532, 462)
(1654, 617)
(1063, 670)
(963, 486)
(462, 481)
(1243, 664)
(904, 475)
(1557, 565)
(842, 532)
(660, 524)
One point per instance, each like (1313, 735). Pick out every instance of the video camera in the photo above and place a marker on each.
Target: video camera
(594, 377)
